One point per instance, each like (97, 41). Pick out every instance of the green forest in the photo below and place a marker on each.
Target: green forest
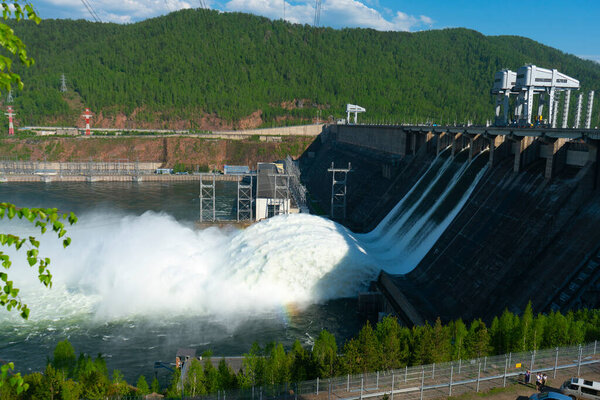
(385, 346)
(192, 64)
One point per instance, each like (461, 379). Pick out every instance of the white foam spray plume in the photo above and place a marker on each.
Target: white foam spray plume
(122, 266)
(152, 265)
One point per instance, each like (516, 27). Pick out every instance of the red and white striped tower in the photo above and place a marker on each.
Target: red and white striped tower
(87, 115)
(11, 114)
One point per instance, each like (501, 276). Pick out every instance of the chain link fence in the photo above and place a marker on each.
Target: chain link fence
(431, 381)
(86, 168)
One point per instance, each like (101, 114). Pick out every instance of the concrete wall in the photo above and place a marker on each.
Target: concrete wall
(519, 237)
(385, 139)
(299, 130)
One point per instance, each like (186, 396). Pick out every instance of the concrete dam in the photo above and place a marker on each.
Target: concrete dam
(468, 221)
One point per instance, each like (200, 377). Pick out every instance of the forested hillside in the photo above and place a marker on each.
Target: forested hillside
(203, 69)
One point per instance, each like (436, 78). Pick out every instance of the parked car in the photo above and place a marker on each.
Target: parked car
(579, 388)
(549, 396)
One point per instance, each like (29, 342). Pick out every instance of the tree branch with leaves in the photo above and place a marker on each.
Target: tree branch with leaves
(45, 219)
(42, 218)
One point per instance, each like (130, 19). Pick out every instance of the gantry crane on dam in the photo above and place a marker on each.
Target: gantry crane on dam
(525, 84)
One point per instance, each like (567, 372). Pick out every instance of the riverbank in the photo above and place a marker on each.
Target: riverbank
(187, 153)
(44, 177)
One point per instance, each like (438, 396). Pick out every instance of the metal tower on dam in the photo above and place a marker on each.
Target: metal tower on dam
(551, 88)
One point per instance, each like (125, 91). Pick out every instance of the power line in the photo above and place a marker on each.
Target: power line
(91, 10)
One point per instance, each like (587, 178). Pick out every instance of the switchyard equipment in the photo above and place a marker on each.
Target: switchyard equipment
(353, 108)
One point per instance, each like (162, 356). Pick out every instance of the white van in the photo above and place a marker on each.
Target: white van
(578, 388)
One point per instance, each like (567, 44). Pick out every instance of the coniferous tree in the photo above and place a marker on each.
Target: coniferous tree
(211, 375)
(155, 387)
(253, 368)
(325, 354)
(195, 380)
(299, 362)
(441, 350)
(142, 386)
(525, 340)
(388, 335)
(459, 332)
(226, 376)
(64, 359)
(477, 342)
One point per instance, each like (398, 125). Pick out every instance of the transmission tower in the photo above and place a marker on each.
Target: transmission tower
(9, 98)
(317, 13)
(63, 83)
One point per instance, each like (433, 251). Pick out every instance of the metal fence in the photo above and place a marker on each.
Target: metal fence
(430, 381)
(87, 168)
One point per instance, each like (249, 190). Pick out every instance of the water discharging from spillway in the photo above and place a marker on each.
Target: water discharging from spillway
(139, 284)
(150, 265)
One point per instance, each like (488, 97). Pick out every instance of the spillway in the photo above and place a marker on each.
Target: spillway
(124, 272)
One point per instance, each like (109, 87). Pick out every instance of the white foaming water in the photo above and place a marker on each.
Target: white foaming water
(121, 266)
(152, 265)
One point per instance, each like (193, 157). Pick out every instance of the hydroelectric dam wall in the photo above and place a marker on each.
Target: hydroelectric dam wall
(525, 230)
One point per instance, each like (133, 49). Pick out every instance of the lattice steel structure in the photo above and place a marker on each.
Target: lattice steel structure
(244, 200)
(297, 189)
(338, 191)
(63, 83)
(317, 19)
(281, 193)
(207, 198)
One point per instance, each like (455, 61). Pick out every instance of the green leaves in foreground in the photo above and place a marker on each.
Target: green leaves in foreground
(42, 218)
(12, 43)
(15, 380)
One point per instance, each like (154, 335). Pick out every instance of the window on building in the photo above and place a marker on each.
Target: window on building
(272, 210)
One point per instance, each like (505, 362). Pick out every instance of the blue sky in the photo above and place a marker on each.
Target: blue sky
(571, 26)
